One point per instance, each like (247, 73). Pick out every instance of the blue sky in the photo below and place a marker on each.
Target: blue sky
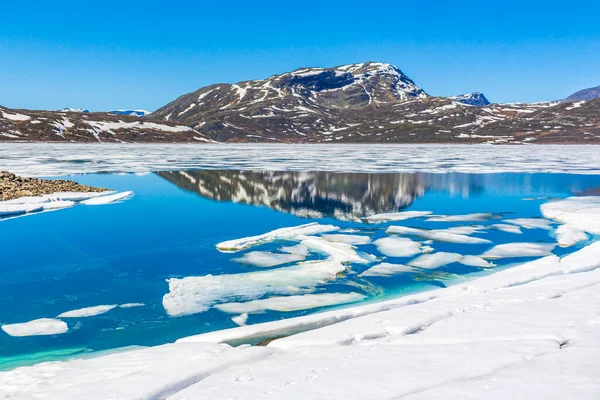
(108, 54)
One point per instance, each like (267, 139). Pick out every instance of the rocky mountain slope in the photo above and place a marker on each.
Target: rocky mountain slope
(68, 126)
(367, 102)
(585, 94)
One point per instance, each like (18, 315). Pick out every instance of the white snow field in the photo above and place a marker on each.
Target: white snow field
(52, 159)
(531, 331)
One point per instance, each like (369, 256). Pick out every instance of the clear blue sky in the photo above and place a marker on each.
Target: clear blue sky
(107, 54)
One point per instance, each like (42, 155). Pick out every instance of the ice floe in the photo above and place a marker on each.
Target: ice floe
(531, 223)
(397, 247)
(349, 239)
(240, 320)
(37, 327)
(519, 249)
(461, 218)
(342, 252)
(111, 198)
(567, 235)
(296, 249)
(290, 303)
(87, 311)
(267, 259)
(507, 228)
(397, 216)
(436, 235)
(196, 294)
(435, 260)
(289, 233)
(387, 269)
(579, 212)
(475, 261)
(131, 305)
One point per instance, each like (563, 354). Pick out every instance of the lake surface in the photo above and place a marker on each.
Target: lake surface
(123, 253)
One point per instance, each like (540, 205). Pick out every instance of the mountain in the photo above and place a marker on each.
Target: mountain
(357, 103)
(585, 94)
(473, 99)
(55, 126)
(134, 113)
(69, 109)
(366, 102)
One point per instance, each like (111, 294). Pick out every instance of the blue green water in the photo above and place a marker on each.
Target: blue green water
(123, 253)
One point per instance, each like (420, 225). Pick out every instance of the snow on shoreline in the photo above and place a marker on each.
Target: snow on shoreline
(529, 331)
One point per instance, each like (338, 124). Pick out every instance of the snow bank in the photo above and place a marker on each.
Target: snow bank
(437, 235)
(397, 247)
(267, 259)
(37, 327)
(289, 233)
(290, 303)
(192, 295)
(520, 249)
(87, 311)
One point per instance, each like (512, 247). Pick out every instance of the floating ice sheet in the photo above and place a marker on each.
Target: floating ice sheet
(437, 235)
(519, 249)
(396, 216)
(37, 327)
(267, 259)
(531, 223)
(475, 261)
(397, 247)
(290, 303)
(198, 293)
(435, 260)
(461, 218)
(567, 235)
(387, 269)
(111, 198)
(342, 252)
(507, 228)
(349, 239)
(87, 311)
(579, 212)
(289, 233)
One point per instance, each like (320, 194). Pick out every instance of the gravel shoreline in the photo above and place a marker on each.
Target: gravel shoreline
(13, 186)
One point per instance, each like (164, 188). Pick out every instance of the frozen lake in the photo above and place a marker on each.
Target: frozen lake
(120, 256)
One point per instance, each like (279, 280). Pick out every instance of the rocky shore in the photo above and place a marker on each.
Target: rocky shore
(13, 186)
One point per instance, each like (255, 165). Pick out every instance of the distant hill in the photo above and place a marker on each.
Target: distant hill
(585, 94)
(473, 99)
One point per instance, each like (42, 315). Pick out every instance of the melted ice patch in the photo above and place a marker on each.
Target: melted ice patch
(87, 311)
(289, 233)
(290, 303)
(521, 249)
(387, 269)
(437, 235)
(397, 216)
(196, 294)
(267, 259)
(435, 260)
(397, 247)
(37, 327)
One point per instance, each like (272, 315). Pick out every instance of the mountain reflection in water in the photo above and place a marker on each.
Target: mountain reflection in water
(345, 196)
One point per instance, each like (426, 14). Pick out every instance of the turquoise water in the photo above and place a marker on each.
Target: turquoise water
(123, 253)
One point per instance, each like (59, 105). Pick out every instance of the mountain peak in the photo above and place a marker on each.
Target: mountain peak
(473, 99)
(583, 95)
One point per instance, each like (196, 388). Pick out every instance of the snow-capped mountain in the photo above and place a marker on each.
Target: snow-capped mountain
(473, 99)
(134, 113)
(73, 110)
(367, 102)
(585, 94)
